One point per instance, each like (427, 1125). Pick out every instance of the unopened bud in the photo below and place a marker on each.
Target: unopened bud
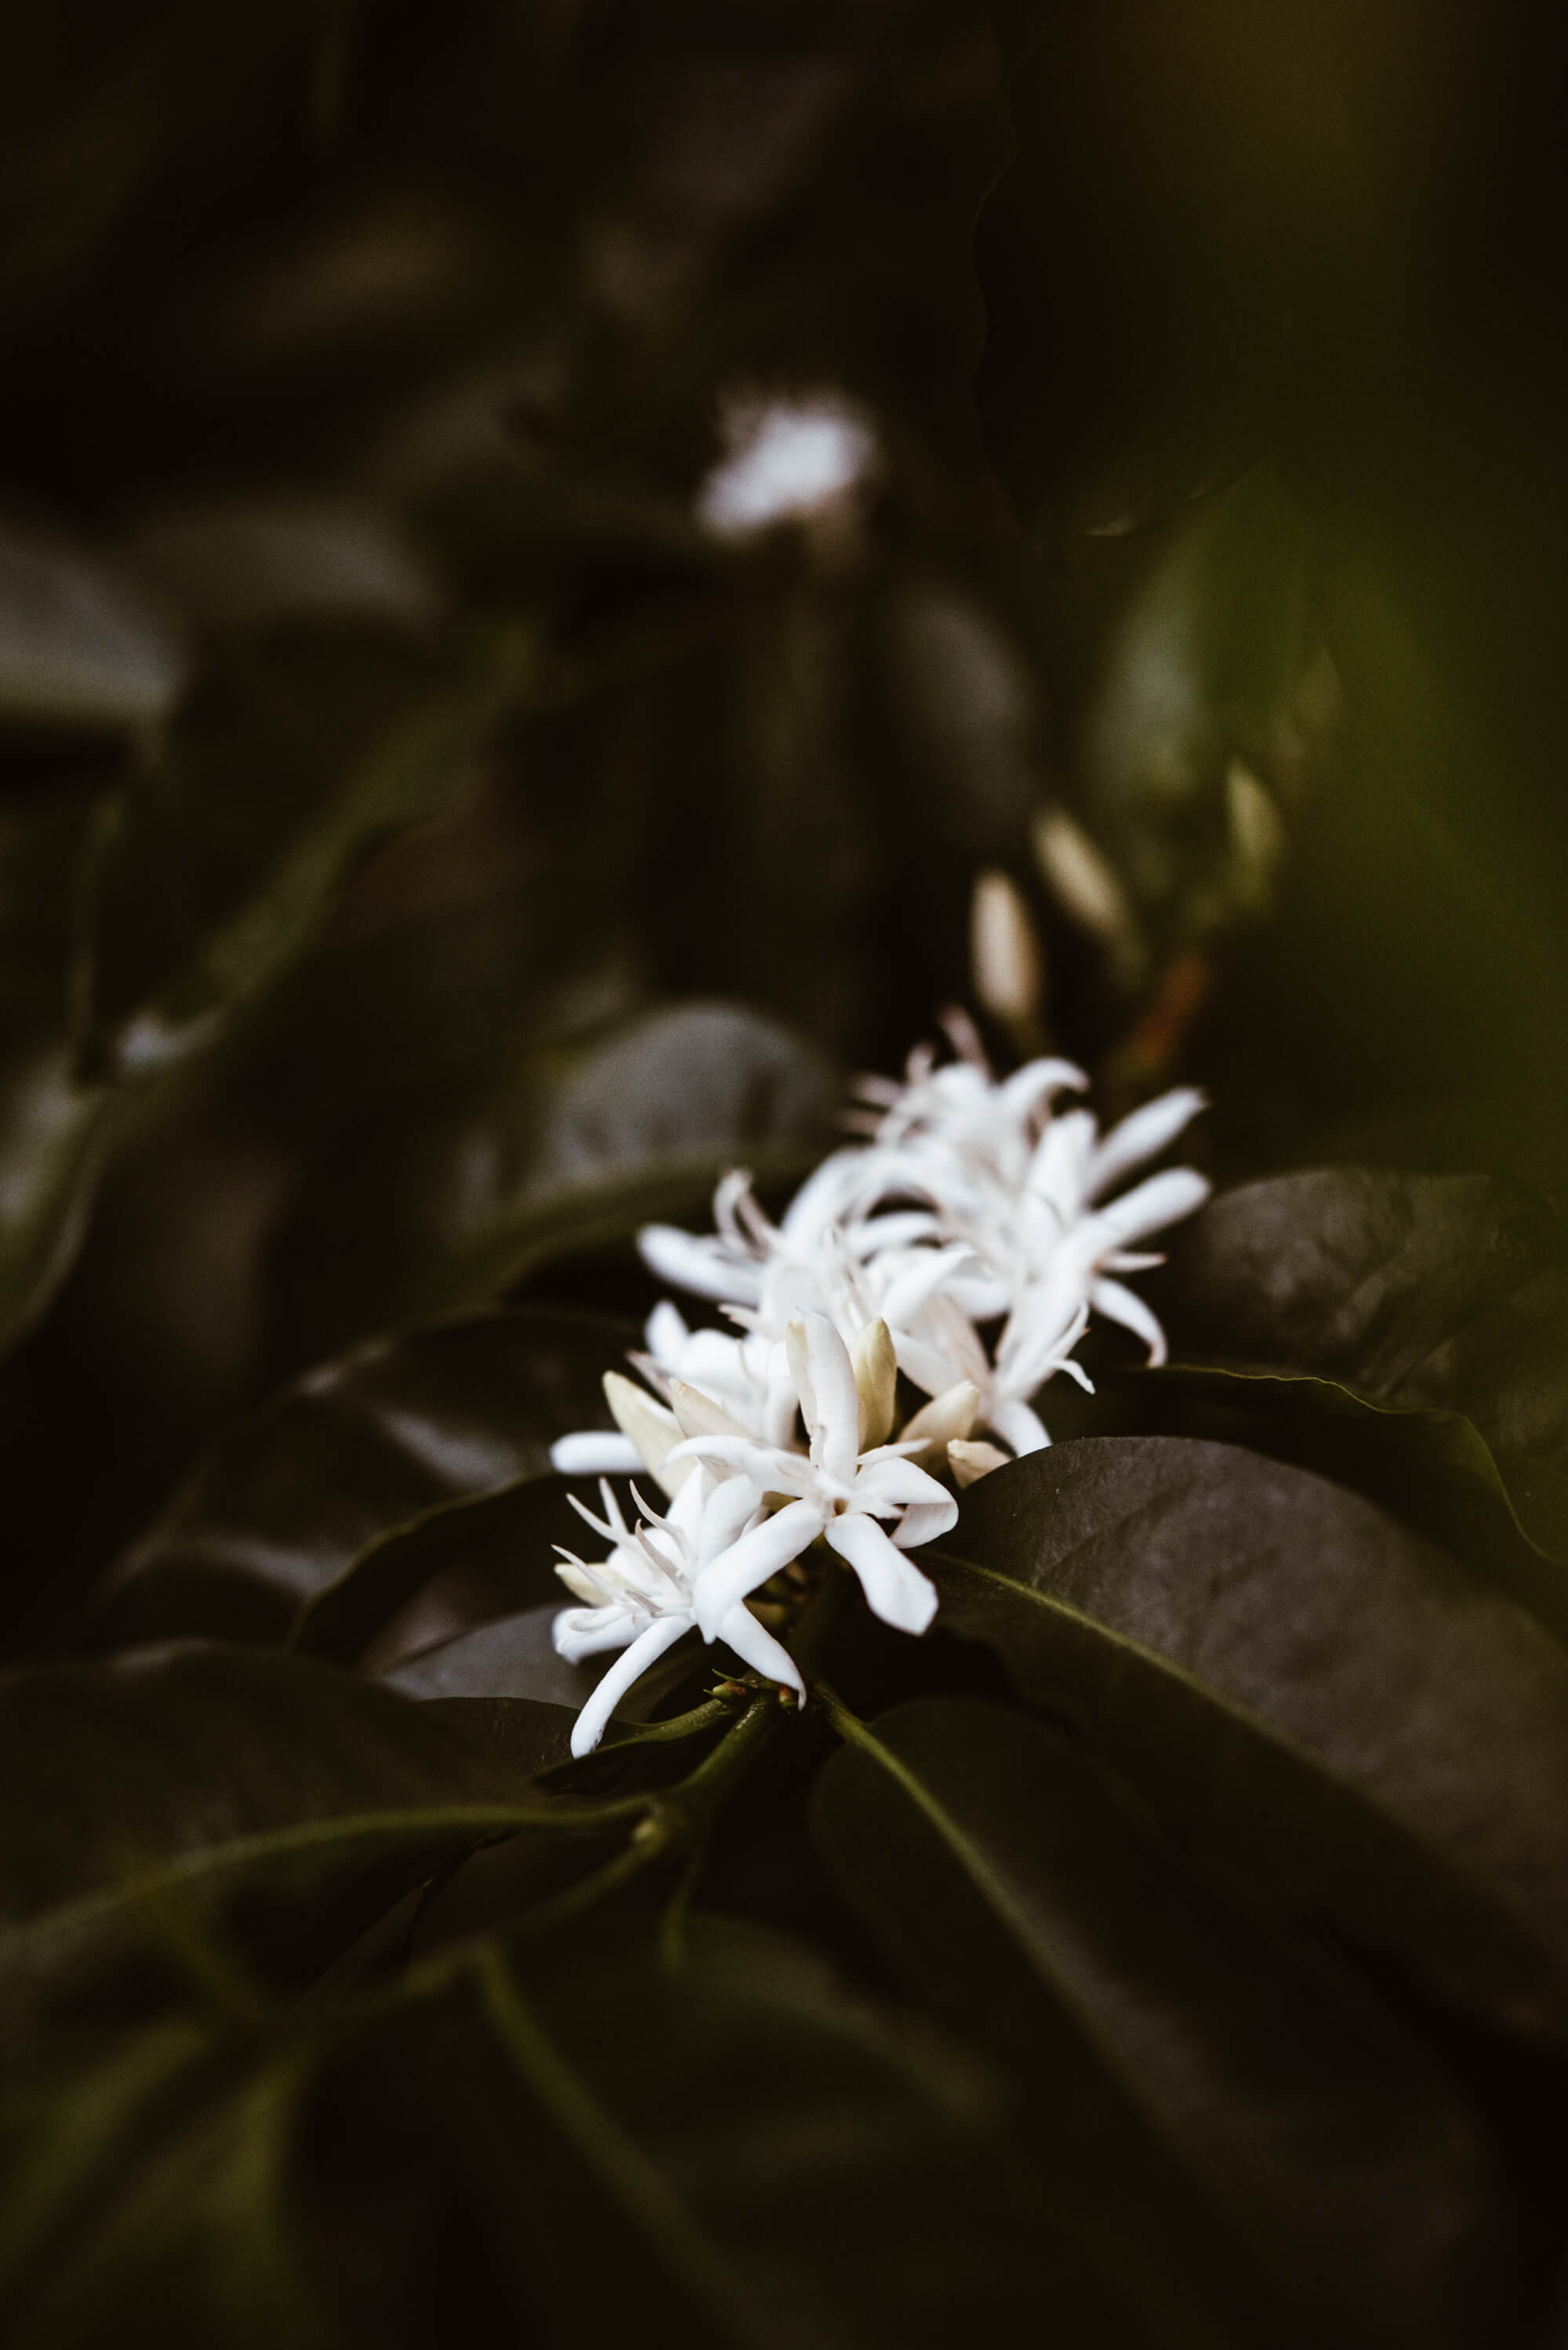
(1004, 954)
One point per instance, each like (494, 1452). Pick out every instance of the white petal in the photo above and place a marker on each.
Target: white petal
(729, 1509)
(697, 1264)
(1027, 1087)
(897, 1482)
(1121, 1304)
(823, 1197)
(829, 1396)
(589, 1725)
(926, 1364)
(736, 1573)
(1153, 1205)
(740, 1631)
(925, 1522)
(902, 1229)
(895, 1591)
(1020, 1425)
(1059, 1169)
(1143, 1135)
(665, 1334)
(579, 1632)
(918, 1279)
(594, 1452)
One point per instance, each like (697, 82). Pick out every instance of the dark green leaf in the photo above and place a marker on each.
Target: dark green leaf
(1288, 1672)
(582, 1144)
(149, 2196)
(177, 1772)
(1200, 2094)
(334, 1489)
(742, 2143)
(1442, 1296)
(514, 1656)
(297, 753)
(514, 1528)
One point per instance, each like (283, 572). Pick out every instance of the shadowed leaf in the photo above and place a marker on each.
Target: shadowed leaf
(1223, 2108)
(1289, 1673)
(1442, 1296)
(180, 1771)
(332, 1495)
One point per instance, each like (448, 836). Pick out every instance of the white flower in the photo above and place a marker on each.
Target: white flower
(973, 1203)
(641, 1598)
(838, 1488)
(786, 459)
(1024, 1189)
(731, 1264)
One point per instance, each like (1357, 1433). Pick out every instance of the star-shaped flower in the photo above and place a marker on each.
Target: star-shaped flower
(842, 1487)
(641, 1598)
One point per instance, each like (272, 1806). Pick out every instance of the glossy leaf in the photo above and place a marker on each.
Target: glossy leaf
(513, 1530)
(179, 1772)
(581, 1144)
(1223, 2107)
(1290, 1673)
(513, 1657)
(791, 2166)
(348, 1468)
(1442, 1296)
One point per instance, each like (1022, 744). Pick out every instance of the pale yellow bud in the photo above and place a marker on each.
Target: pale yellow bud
(650, 1427)
(1003, 951)
(973, 1460)
(876, 1380)
(947, 1418)
(699, 1415)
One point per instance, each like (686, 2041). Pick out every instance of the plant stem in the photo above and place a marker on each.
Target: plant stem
(612, 2157)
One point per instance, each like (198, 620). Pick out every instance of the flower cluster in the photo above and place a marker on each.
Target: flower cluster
(959, 1247)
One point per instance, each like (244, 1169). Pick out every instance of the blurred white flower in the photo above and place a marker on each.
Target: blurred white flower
(786, 459)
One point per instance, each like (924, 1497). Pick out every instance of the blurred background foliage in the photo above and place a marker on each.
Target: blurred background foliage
(425, 845)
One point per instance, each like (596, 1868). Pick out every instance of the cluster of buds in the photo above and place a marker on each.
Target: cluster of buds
(956, 1251)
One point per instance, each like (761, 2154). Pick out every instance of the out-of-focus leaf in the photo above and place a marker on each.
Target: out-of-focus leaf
(240, 563)
(1236, 2110)
(582, 1144)
(1441, 1296)
(79, 648)
(98, 112)
(777, 2163)
(149, 2195)
(179, 1773)
(342, 1479)
(55, 1129)
(1213, 661)
(1301, 1682)
(293, 758)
